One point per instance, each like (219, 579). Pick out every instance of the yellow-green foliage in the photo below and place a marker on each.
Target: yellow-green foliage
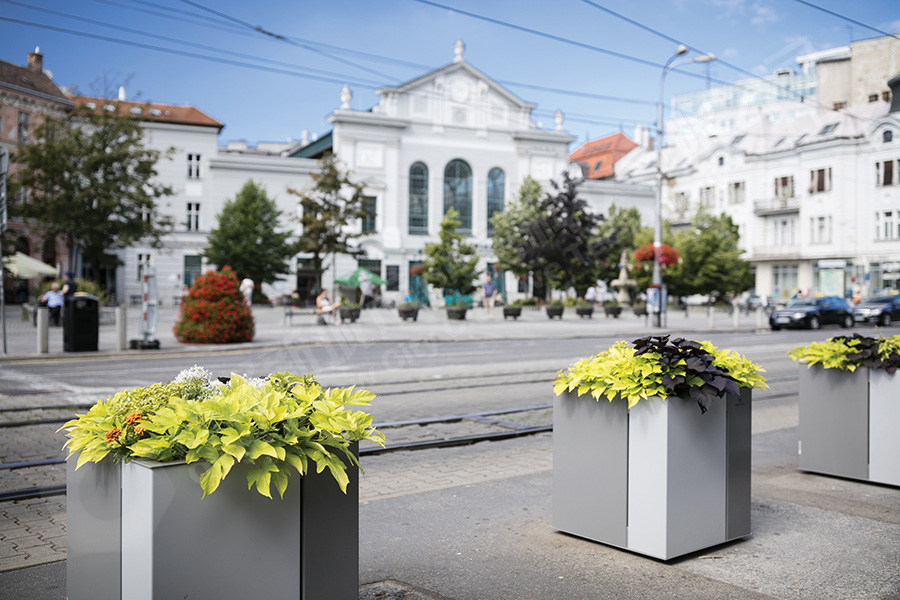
(277, 426)
(831, 354)
(617, 372)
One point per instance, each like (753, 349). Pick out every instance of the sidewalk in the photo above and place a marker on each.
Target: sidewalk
(374, 326)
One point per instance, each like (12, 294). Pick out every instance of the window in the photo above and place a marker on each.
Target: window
(736, 140)
(193, 264)
(886, 226)
(820, 230)
(458, 192)
(722, 160)
(828, 129)
(682, 202)
(373, 265)
(886, 173)
(784, 232)
(820, 181)
(886, 96)
(193, 166)
(496, 190)
(708, 196)
(392, 276)
(143, 260)
(779, 142)
(193, 216)
(418, 199)
(839, 105)
(368, 221)
(887, 136)
(736, 192)
(23, 128)
(784, 280)
(784, 187)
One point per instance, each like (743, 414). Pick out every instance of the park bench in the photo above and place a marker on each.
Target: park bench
(292, 310)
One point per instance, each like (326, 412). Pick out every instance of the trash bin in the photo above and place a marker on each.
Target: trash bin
(81, 323)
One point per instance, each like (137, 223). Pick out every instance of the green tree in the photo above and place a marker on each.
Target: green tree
(512, 228)
(621, 228)
(330, 212)
(247, 239)
(452, 263)
(711, 260)
(564, 244)
(91, 180)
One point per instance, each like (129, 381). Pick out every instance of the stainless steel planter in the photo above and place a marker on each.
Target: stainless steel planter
(848, 423)
(660, 479)
(171, 543)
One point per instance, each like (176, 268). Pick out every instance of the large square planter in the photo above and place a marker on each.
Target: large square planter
(848, 423)
(660, 479)
(161, 539)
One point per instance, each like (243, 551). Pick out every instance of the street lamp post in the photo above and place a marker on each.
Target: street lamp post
(657, 230)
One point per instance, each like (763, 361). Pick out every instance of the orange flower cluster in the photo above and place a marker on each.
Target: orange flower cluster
(133, 418)
(113, 435)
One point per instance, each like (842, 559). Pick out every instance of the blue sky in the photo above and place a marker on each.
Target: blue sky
(374, 43)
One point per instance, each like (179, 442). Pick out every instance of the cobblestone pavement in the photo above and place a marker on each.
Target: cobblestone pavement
(32, 532)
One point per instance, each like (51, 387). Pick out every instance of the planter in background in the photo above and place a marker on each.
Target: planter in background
(555, 311)
(409, 313)
(640, 311)
(585, 311)
(660, 479)
(164, 541)
(612, 311)
(512, 311)
(848, 423)
(456, 314)
(349, 313)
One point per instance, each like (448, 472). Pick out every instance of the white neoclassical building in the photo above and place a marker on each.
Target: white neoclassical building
(451, 137)
(813, 186)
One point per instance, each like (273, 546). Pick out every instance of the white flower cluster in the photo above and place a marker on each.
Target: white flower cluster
(198, 374)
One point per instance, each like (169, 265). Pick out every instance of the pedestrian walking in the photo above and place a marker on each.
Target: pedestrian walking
(247, 286)
(489, 293)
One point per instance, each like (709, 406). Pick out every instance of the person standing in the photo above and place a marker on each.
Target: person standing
(489, 293)
(247, 286)
(365, 289)
(70, 286)
(591, 295)
(54, 299)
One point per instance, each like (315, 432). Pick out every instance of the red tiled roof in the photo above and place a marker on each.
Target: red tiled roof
(150, 111)
(32, 81)
(601, 155)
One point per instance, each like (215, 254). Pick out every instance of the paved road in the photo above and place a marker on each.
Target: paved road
(473, 522)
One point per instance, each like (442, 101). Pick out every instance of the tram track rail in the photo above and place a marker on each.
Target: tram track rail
(505, 429)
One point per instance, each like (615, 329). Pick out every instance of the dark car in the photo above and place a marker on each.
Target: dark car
(883, 310)
(812, 313)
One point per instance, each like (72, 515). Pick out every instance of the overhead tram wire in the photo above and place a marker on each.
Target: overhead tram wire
(178, 41)
(190, 54)
(848, 19)
(288, 40)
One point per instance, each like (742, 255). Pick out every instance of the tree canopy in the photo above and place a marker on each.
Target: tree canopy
(452, 263)
(512, 228)
(331, 210)
(247, 237)
(621, 228)
(711, 261)
(91, 180)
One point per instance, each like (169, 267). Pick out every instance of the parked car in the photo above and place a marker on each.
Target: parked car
(812, 313)
(882, 310)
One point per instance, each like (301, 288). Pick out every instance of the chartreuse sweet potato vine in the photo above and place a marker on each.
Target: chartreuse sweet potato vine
(277, 425)
(847, 353)
(655, 366)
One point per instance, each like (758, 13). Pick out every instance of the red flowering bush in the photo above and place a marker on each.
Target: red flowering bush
(668, 255)
(214, 311)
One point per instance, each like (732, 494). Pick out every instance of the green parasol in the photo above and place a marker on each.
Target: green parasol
(353, 278)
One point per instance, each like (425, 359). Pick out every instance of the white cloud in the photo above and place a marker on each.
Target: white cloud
(762, 15)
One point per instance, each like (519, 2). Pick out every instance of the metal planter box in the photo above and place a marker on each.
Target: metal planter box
(159, 539)
(848, 424)
(660, 479)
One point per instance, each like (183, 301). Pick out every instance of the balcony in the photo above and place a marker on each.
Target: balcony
(774, 251)
(776, 206)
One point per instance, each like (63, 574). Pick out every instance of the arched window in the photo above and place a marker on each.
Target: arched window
(887, 136)
(418, 199)
(458, 192)
(496, 191)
